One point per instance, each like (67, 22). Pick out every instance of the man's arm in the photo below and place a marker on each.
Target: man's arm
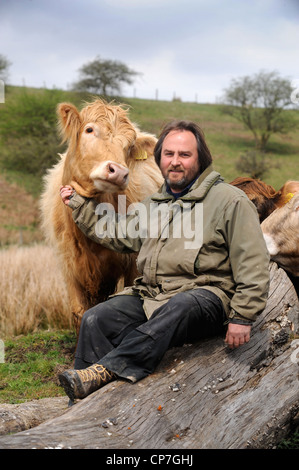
(249, 259)
(250, 266)
(108, 229)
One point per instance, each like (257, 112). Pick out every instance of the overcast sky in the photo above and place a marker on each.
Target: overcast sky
(187, 48)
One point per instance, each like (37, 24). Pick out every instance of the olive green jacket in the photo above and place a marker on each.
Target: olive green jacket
(210, 237)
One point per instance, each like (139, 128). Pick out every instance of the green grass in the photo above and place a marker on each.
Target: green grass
(292, 442)
(31, 364)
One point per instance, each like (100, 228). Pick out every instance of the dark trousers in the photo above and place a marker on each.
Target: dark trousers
(117, 334)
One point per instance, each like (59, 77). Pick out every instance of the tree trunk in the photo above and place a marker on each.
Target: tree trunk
(201, 396)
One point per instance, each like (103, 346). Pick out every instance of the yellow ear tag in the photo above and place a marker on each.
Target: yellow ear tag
(288, 197)
(142, 156)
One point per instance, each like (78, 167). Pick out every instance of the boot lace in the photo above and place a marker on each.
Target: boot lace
(95, 372)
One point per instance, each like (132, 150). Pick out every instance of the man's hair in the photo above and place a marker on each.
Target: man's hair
(204, 155)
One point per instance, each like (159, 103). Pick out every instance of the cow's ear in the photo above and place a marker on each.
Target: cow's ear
(144, 146)
(69, 121)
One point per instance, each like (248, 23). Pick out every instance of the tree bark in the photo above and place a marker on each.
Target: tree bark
(15, 418)
(202, 396)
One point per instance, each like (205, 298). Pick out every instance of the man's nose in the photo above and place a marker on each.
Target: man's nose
(176, 161)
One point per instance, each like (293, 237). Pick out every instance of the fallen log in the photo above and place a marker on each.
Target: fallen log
(15, 418)
(202, 396)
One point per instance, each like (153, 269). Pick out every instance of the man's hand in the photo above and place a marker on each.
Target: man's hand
(237, 335)
(65, 193)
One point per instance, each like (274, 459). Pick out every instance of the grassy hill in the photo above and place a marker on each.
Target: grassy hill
(24, 158)
(226, 137)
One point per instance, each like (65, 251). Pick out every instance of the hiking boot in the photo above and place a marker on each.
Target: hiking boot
(83, 382)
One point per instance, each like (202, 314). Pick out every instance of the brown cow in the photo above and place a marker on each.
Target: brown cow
(263, 196)
(106, 155)
(280, 226)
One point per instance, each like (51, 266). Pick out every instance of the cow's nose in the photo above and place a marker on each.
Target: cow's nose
(117, 174)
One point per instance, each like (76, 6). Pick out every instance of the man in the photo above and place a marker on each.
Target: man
(196, 282)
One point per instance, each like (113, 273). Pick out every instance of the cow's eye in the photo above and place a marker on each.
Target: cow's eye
(89, 130)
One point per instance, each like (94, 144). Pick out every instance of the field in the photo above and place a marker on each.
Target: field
(35, 323)
(33, 292)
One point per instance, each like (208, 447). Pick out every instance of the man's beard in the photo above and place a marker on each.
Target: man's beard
(177, 185)
(180, 185)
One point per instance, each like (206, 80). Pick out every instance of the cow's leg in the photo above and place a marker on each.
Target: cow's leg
(78, 303)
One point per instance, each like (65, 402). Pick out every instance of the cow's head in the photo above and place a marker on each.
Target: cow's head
(263, 196)
(287, 191)
(102, 147)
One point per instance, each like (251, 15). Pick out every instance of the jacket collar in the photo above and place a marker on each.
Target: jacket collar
(198, 190)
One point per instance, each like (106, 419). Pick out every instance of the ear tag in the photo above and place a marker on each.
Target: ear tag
(288, 197)
(142, 156)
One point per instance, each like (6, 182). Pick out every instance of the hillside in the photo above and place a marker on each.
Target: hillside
(19, 215)
(24, 159)
(226, 137)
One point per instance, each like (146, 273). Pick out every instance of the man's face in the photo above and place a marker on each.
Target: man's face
(179, 159)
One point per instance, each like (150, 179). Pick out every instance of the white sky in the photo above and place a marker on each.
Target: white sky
(187, 48)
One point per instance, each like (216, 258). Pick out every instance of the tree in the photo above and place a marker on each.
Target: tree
(104, 76)
(255, 164)
(4, 64)
(260, 103)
